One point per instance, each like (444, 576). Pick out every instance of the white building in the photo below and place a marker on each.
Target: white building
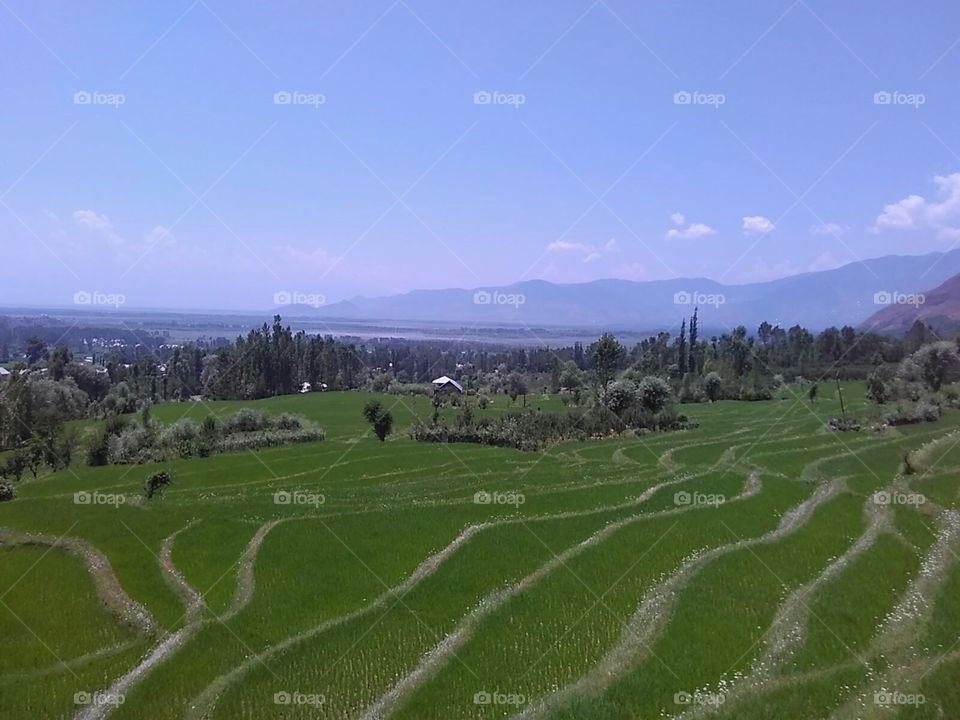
(445, 383)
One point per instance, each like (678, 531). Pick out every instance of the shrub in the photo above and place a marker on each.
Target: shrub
(288, 421)
(245, 420)
(380, 419)
(6, 492)
(919, 413)
(182, 438)
(713, 386)
(533, 429)
(268, 438)
(844, 424)
(654, 393)
(156, 483)
(98, 449)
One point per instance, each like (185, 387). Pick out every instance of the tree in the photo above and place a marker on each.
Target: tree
(620, 395)
(156, 483)
(654, 393)
(517, 385)
(14, 465)
(682, 350)
(606, 353)
(36, 350)
(878, 385)
(380, 419)
(59, 359)
(938, 364)
(713, 386)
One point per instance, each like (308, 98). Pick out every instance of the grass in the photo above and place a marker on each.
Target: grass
(321, 618)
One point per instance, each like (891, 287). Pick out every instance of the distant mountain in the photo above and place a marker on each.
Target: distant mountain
(844, 296)
(939, 308)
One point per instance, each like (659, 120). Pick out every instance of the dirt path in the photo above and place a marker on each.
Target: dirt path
(191, 599)
(194, 607)
(655, 610)
(70, 664)
(439, 655)
(787, 631)
(108, 587)
(900, 630)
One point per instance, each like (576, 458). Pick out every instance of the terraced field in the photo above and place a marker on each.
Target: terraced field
(759, 566)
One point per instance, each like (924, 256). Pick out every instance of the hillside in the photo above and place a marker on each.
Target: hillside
(939, 308)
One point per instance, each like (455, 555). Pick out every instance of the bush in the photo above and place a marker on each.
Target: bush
(6, 492)
(245, 420)
(919, 413)
(98, 449)
(534, 429)
(844, 424)
(182, 438)
(268, 438)
(713, 386)
(136, 444)
(156, 483)
(288, 421)
(380, 419)
(654, 393)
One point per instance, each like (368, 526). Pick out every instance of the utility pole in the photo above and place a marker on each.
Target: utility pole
(843, 411)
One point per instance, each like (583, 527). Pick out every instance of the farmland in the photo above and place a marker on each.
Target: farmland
(758, 561)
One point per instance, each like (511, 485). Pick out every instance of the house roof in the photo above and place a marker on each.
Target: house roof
(444, 380)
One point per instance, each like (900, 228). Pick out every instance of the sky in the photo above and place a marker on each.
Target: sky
(214, 154)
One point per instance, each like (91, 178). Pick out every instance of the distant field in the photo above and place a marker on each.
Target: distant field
(744, 569)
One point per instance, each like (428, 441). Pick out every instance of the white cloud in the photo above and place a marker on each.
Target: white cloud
(90, 219)
(677, 218)
(159, 235)
(917, 213)
(757, 225)
(830, 228)
(691, 232)
(587, 251)
(558, 246)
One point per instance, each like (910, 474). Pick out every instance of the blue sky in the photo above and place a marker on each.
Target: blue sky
(146, 151)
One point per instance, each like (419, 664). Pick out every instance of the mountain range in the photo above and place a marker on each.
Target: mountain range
(847, 295)
(939, 308)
